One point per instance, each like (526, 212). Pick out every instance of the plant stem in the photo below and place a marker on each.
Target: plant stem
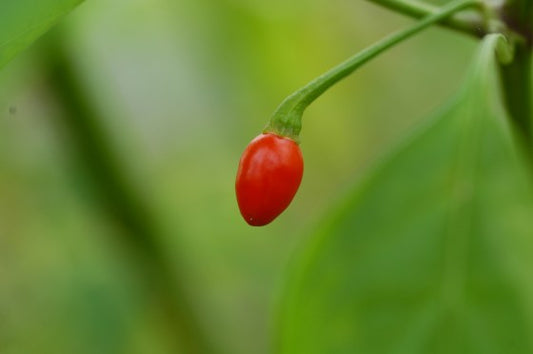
(286, 120)
(471, 23)
(139, 232)
(516, 77)
(517, 91)
(518, 15)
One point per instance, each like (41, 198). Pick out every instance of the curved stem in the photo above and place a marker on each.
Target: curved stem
(467, 23)
(286, 120)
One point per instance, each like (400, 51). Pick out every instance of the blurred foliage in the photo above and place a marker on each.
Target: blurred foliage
(23, 21)
(180, 88)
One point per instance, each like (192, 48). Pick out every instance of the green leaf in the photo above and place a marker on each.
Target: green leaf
(23, 21)
(433, 252)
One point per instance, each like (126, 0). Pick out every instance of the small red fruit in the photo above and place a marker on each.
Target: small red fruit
(270, 172)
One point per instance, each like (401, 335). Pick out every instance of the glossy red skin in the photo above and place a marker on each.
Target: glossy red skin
(270, 172)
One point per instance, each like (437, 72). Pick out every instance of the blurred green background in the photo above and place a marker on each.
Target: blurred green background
(177, 89)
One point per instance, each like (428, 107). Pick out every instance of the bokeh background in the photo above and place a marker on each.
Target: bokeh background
(121, 234)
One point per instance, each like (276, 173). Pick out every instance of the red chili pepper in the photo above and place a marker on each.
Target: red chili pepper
(270, 172)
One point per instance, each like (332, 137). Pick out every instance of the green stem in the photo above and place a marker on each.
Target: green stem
(518, 16)
(286, 120)
(470, 23)
(517, 90)
(516, 77)
(139, 234)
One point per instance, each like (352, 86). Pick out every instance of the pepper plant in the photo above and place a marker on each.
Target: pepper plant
(432, 251)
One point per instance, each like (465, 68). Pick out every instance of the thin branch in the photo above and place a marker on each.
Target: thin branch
(467, 21)
(286, 120)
